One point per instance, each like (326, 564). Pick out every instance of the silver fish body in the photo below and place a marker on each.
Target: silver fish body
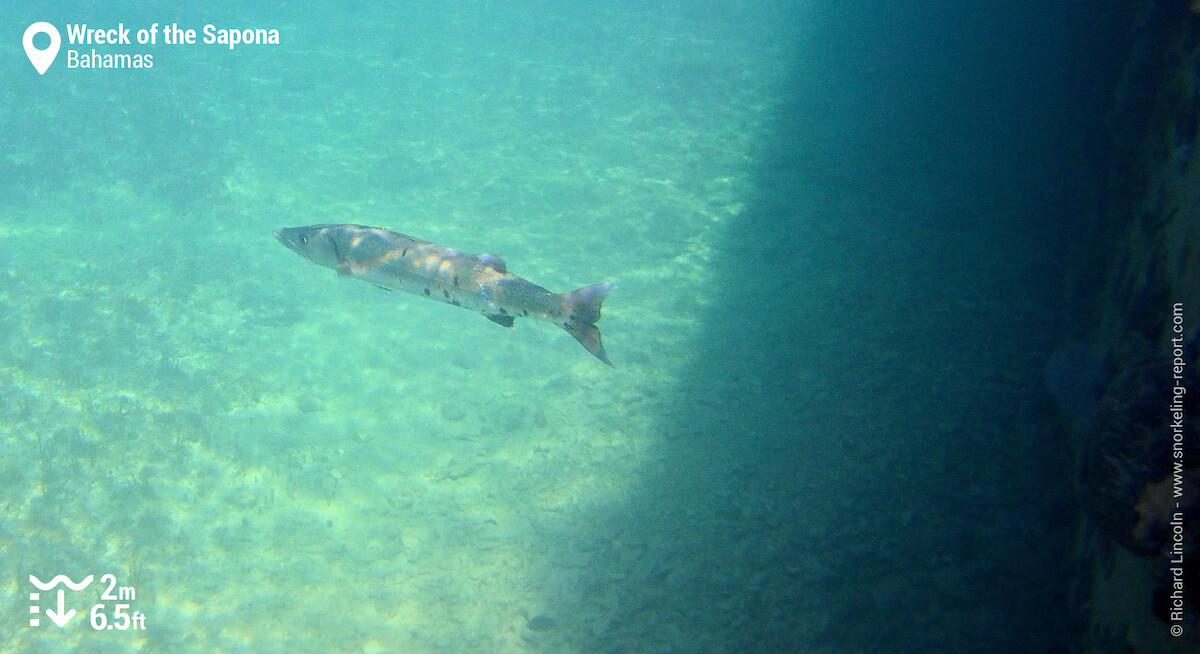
(479, 282)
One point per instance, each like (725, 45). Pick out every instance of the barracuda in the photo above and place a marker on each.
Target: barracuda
(479, 282)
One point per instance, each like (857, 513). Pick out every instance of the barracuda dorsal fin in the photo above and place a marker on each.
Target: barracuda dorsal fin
(495, 261)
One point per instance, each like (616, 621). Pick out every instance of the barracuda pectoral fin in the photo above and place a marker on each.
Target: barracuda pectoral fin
(343, 269)
(501, 319)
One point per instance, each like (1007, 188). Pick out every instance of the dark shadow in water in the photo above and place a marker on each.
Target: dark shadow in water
(863, 457)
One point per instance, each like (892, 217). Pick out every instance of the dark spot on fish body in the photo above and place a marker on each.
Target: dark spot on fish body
(426, 292)
(541, 622)
(456, 303)
(524, 312)
(446, 293)
(404, 253)
(456, 281)
(503, 312)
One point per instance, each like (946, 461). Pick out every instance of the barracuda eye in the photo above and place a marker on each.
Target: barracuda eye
(303, 239)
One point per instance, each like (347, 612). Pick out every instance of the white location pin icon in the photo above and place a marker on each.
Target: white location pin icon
(41, 59)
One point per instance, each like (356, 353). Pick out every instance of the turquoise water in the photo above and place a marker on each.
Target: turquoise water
(824, 299)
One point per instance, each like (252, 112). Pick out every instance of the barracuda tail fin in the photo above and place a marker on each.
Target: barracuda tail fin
(583, 310)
